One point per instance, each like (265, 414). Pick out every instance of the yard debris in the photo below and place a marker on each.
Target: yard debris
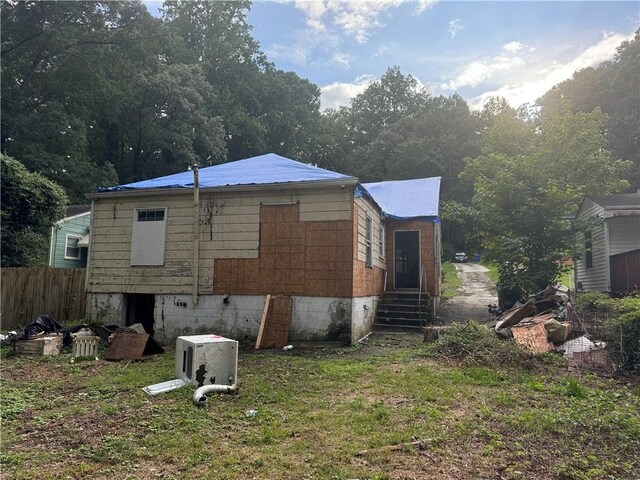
(127, 344)
(164, 387)
(549, 318)
(532, 336)
(419, 444)
(515, 315)
(46, 344)
(42, 325)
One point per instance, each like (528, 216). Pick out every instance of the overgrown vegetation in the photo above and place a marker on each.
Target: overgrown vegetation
(474, 344)
(316, 410)
(617, 320)
(450, 281)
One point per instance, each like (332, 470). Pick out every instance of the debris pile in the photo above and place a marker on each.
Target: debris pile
(45, 336)
(549, 322)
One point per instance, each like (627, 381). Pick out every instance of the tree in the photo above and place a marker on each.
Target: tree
(166, 127)
(386, 101)
(30, 205)
(65, 71)
(521, 202)
(612, 87)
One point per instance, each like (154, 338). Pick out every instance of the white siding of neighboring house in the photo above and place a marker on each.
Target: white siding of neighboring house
(624, 234)
(597, 277)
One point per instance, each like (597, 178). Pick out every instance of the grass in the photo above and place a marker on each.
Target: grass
(492, 272)
(317, 408)
(451, 282)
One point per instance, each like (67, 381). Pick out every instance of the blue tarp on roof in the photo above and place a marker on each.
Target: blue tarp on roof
(407, 199)
(260, 170)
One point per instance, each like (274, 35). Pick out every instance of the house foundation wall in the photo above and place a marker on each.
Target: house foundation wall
(312, 318)
(363, 312)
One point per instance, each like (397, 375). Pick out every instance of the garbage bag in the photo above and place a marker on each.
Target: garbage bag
(42, 324)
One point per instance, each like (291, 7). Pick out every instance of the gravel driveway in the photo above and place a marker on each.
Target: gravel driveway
(475, 293)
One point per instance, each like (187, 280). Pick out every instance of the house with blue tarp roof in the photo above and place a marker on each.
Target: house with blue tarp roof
(265, 247)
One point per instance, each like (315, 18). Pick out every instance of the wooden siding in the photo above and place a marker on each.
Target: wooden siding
(229, 229)
(624, 234)
(367, 280)
(364, 208)
(597, 277)
(78, 226)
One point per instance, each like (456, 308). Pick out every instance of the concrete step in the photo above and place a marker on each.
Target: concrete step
(381, 327)
(401, 321)
(395, 307)
(394, 314)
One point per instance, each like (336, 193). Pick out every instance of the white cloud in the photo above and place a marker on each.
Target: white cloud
(476, 72)
(314, 10)
(356, 18)
(424, 5)
(303, 43)
(339, 94)
(341, 59)
(530, 91)
(455, 26)
(513, 47)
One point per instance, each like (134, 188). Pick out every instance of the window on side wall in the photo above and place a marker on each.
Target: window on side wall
(148, 236)
(588, 249)
(369, 235)
(381, 233)
(71, 249)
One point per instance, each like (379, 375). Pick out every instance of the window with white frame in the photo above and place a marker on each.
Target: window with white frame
(381, 233)
(369, 235)
(71, 248)
(148, 236)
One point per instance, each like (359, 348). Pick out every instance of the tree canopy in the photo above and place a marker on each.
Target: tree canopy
(30, 205)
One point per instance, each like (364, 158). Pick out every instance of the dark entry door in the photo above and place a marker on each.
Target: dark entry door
(140, 310)
(407, 259)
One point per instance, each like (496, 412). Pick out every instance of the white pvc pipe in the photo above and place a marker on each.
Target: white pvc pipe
(200, 395)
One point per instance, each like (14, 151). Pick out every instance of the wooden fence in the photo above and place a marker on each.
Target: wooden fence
(29, 292)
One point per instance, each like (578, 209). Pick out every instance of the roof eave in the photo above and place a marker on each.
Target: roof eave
(309, 184)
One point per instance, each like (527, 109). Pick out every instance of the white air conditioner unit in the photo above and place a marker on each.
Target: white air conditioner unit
(206, 360)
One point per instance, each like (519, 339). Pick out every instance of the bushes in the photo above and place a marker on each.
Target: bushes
(474, 344)
(619, 322)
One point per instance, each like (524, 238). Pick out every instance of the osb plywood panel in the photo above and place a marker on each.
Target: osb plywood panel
(276, 327)
(295, 258)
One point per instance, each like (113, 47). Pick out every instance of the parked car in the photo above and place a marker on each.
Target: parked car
(461, 257)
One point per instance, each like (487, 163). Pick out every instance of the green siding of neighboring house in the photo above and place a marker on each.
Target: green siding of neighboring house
(76, 226)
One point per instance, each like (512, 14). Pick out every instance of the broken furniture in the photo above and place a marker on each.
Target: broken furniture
(42, 345)
(85, 346)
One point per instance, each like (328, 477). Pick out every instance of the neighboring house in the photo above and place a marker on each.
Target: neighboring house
(609, 251)
(70, 237)
(184, 260)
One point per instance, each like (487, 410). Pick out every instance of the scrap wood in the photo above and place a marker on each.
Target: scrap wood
(131, 346)
(533, 337)
(419, 444)
(263, 320)
(515, 315)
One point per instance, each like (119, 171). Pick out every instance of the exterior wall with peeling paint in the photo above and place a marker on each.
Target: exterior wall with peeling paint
(363, 311)
(312, 319)
(106, 308)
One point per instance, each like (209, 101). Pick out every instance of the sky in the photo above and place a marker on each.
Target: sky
(517, 50)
